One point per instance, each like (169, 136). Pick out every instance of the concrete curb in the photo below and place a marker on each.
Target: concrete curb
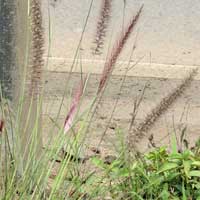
(139, 70)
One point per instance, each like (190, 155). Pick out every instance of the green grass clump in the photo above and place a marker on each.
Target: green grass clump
(58, 170)
(50, 174)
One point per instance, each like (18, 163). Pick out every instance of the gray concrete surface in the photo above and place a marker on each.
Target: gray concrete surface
(183, 112)
(168, 31)
(167, 47)
(7, 44)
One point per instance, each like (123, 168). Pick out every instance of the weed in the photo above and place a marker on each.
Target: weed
(159, 174)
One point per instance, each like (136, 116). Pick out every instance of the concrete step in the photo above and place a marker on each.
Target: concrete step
(185, 111)
(136, 68)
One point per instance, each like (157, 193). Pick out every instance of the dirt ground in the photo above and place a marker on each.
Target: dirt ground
(185, 112)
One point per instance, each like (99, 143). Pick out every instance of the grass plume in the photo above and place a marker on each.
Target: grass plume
(102, 25)
(164, 104)
(117, 49)
(74, 106)
(37, 47)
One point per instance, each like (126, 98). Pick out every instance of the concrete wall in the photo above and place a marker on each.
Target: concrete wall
(168, 32)
(7, 44)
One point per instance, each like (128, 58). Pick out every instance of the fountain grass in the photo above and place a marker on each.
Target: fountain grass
(59, 169)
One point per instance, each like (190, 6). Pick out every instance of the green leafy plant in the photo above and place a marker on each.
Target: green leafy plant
(159, 174)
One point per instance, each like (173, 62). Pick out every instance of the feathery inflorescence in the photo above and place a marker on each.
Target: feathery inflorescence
(164, 104)
(102, 26)
(117, 49)
(37, 48)
(105, 74)
(74, 106)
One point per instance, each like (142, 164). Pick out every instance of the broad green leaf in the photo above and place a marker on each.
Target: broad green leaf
(184, 197)
(174, 144)
(142, 171)
(196, 163)
(198, 198)
(194, 173)
(197, 186)
(156, 180)
(124, 172)
(116, 164)
(187, 154)
(172, 176)
(168, 166)
(137, 195)
(134, 166)
(165, 194)
(187, 165)
(98, 162)
(175, 156)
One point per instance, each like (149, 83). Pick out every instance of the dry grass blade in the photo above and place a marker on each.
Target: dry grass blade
(117, 49)
(74, 106)
(102, 25)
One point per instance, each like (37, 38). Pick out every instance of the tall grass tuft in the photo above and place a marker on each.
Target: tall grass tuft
(159, 174)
